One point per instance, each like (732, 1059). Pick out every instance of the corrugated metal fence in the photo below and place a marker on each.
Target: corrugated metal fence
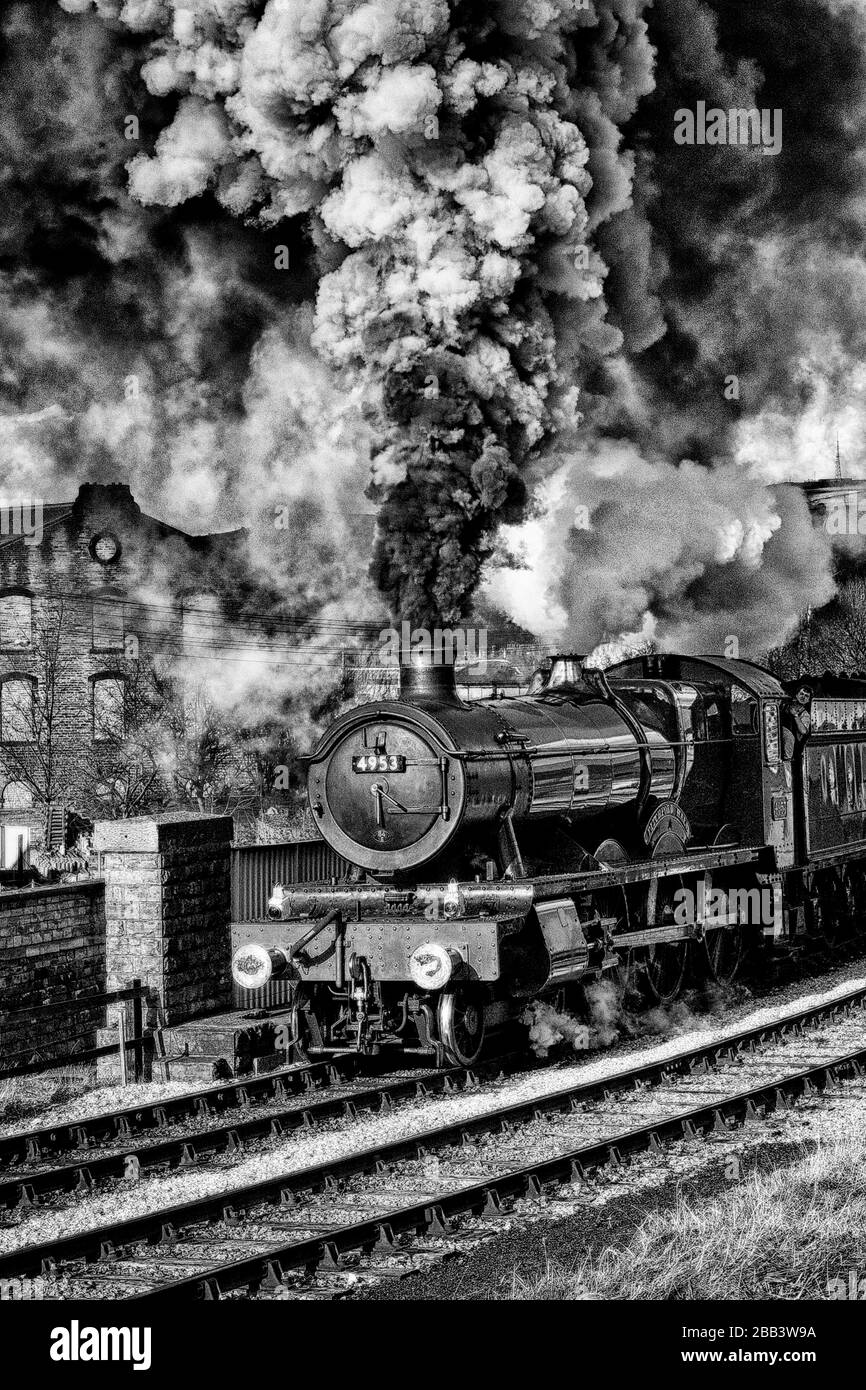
(255, 870)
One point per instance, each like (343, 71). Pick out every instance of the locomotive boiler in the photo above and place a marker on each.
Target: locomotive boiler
(427, 777)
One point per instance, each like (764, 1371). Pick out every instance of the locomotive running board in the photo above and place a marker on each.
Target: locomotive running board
(641, 870)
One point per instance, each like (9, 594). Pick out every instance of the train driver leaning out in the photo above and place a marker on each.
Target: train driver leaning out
(796, 720)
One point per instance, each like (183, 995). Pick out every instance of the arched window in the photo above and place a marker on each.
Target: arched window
(16, 620)
(109, 714)
(16, 796)
(16, 709)
(108, 622)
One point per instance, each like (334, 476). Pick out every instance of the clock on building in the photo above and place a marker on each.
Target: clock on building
(105, 548)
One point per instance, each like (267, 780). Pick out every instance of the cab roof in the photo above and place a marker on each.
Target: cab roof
(673, 667)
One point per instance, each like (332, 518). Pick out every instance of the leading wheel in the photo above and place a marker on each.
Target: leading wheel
(460, 1016)
(300, 1032)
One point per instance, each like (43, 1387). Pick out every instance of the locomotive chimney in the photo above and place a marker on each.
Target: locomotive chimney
(428, 680)
(566, 669)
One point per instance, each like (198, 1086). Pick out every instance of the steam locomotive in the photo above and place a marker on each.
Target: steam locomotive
(664, 816)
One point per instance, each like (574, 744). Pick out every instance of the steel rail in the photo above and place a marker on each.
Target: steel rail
(484, 1198)
(223, 1095)
(104, 1242)
(184, 1150)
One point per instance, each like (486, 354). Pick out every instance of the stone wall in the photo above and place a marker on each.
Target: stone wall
(168, 910)
(52, 948)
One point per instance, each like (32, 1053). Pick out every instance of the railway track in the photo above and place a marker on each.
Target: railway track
(98, 1149)
(54, 1140)
(379, 1212)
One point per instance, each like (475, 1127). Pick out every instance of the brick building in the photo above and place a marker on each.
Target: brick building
(89, 599)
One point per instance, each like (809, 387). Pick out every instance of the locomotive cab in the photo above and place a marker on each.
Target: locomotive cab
(747, 768)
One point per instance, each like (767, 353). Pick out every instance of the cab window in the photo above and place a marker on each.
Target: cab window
(744, 713)
(715, 727)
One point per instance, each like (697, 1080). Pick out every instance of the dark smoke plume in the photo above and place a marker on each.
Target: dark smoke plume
(528, 298)
(435, 153)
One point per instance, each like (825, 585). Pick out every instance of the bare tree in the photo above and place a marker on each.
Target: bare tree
(831, 639)
(38, 744)
(217, 763)
(128, 767)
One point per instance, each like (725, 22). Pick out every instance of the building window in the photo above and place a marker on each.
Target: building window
(17, 796)
(108, 623)
(201, 623)
(16, 619)
(16, 710)
(109, 723)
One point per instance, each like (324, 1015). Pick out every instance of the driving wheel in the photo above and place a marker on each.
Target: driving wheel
(460, 1016)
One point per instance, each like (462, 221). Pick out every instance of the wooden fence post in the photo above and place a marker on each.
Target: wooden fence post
(121, 1047)
(137, 1029)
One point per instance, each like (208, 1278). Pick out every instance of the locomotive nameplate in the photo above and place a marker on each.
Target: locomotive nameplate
(667, 819)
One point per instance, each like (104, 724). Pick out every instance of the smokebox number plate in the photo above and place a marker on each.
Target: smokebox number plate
(378, 762)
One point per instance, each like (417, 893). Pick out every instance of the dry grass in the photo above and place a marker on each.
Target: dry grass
(781, 1234)
(22, 1096)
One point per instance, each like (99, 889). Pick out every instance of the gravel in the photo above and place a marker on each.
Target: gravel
(341, 1137)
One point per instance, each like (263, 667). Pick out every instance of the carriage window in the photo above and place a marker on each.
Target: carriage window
(838, 716)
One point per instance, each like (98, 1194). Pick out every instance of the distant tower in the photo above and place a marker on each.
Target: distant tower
(837, 503)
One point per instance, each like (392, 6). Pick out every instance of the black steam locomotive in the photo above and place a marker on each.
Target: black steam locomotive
(670, 813)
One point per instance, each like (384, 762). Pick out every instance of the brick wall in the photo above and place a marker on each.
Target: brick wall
(168, 909)
(52, 947)
(73, 637)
